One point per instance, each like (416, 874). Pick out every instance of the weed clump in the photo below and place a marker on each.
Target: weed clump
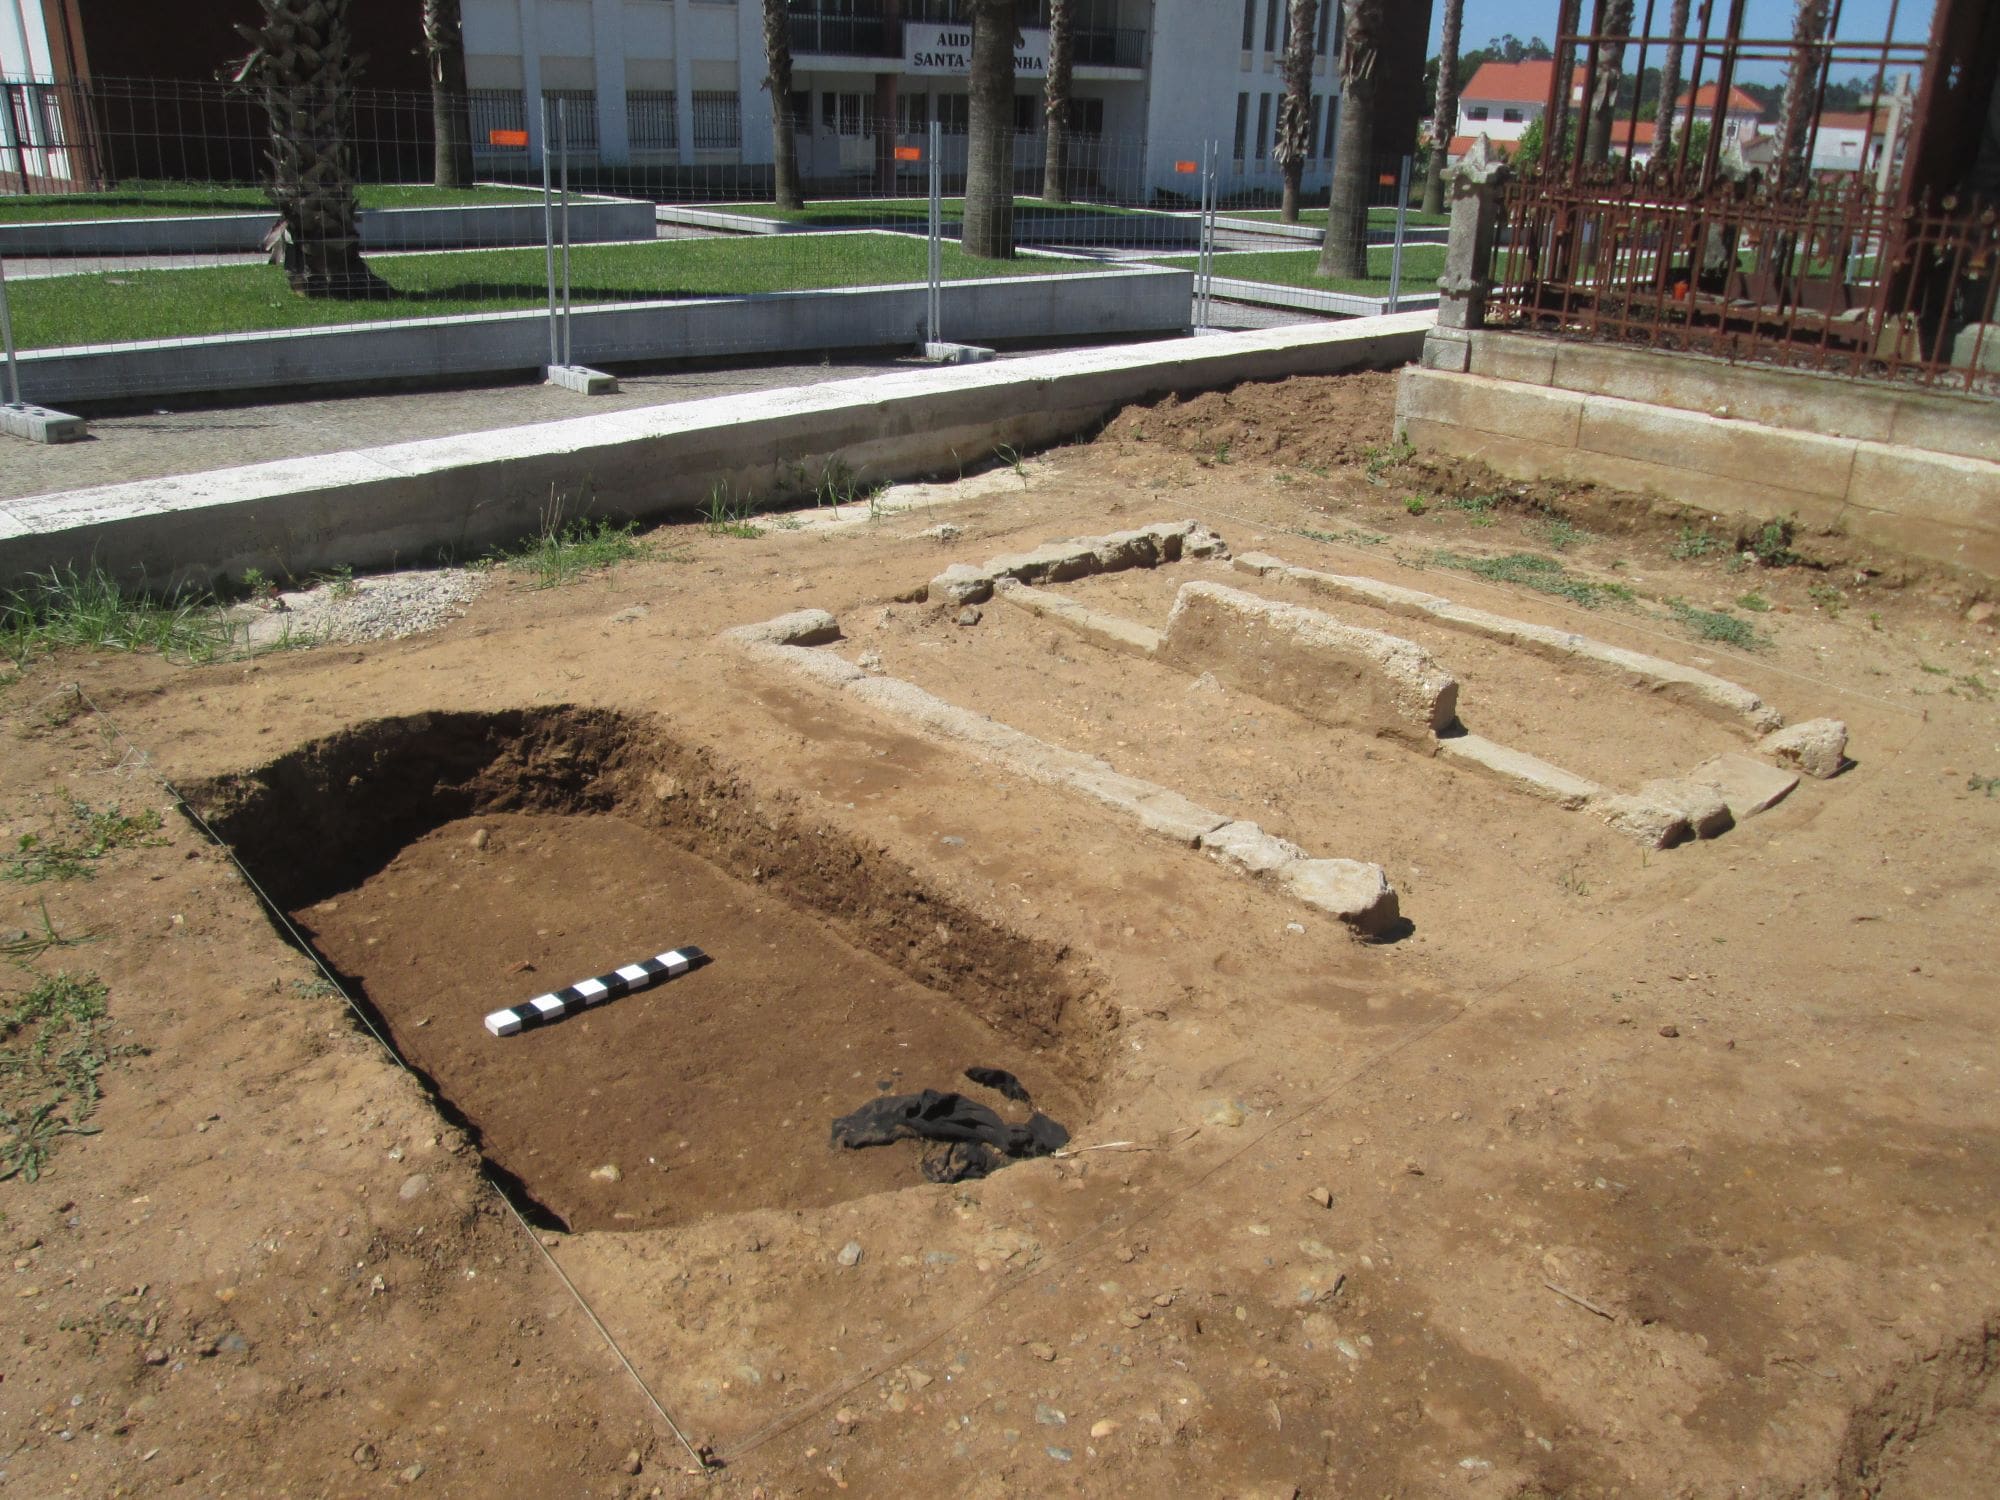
(91, 609)
(52, 1051)
(1531, 570)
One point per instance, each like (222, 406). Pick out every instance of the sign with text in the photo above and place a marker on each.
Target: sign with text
(507, 138)
(947, 50)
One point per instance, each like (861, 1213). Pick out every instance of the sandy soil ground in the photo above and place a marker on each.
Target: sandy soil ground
(1624, 1173)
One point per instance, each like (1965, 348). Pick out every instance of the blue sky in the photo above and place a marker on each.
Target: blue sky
(1766, 18)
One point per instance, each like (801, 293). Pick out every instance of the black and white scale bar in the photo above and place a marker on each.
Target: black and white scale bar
(643, 975)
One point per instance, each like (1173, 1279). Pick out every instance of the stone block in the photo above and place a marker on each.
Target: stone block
(1518, 768)
(1913, 485)
(1358, 893)
(1448, 349)
(961, 583)
(1747, 786)
(1686, 440)
(1697, 801)
(1651, 823)
(1247, 845)
(1113, 632)
(1309, 662)
(583, 380)
(1535, 413)
(1818, 747)
(1514, 356)
(38, 424)
(802, 627)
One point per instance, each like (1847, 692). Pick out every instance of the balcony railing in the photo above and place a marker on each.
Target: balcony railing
(1121, 48)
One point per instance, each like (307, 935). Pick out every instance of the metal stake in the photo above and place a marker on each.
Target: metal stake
(549, 231)
(562, 128)
(7, 337)
(1402, 219)
(934, 314)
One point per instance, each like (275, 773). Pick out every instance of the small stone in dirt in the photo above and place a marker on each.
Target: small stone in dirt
(1322, 1197)
(365, 1455)
(413, 1187)
(1103, 1429)
(952, 841)
(412, 1474)
(944, 531)
(1670, 1031)
(607, 1173)
(1043, 1352)
(232, 1343)
(156, 1356)
(1060, 1455)
(969, 615)
(632, 1464)
(1049, 1416)
(1226, 1113)
(481, 839)
(1208, 684)
(850, 1253)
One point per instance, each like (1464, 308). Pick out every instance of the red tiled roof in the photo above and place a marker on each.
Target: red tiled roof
(1740, 103)
(1516, 83)
(1857, 120)
(1460, 144)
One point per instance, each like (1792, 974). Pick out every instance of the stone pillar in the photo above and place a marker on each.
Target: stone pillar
(1474, 185)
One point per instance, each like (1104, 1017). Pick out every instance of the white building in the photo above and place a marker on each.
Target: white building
(651, 84)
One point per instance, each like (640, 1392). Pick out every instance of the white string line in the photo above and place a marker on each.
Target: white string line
(284, 920)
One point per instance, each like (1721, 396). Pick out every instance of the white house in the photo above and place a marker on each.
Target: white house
(1500, 101)
(654, 83)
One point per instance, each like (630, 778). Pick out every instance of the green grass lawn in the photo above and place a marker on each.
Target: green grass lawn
(156, 200)
(1422, 265)
(113, 307)
(835, 212)
(1316, 217)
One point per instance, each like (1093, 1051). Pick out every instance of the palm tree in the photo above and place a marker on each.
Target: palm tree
(451, 123)
(1670, 78)
(1444, 116)
(778, 79)
(301, 58)
(1617, 22)
(1802, 77)
(989, 146)
(1295, 109)
(1345, 251)
(1055, 103)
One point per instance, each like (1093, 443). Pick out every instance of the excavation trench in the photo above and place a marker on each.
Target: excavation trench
(448, 865)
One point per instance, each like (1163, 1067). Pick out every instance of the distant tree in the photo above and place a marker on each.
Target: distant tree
(1604, 92)
(451, 119)
(989, 147)
(1056, 102)
(1529, 153)
(302, 61)
(790, 192)
(1344, 252)
(1444, 117)
(1295, 109)
(1802, 76)
(1670, 77)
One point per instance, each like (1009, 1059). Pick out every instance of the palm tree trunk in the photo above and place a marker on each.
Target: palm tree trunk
(1444, 116)
(1345, 250)
(778, 80)
(989, 147)
(1802, 77)
(1604, 98)
(1670, 79)
(304, 63)
(1295, 109)
(1055, 103)
(451, 122)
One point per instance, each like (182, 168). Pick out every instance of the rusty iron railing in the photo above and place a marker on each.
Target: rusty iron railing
(1731, 241)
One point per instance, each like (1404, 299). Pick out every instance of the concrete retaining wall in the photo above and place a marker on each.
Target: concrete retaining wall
(458, 496)
(1163, 230)
(596, 221)
(1913, 500)
(1346, 304)
(1133, 300)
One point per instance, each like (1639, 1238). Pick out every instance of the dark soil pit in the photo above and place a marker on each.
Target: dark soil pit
(450, 865)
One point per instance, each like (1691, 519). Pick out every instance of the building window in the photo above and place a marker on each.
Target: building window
(1319, 107)
(1511, 116)
(1271, 10)
(954, 113)
(1263, 126)
(842, 114)
(495, 109)
(1478, 112)
(1249, 29)
(1326, 10)
(1026, 114)
(914, 113)
(1332, 125)
(1086, 117)
(650, 123)
(576, 109)
(718, 120)
(1242, 124)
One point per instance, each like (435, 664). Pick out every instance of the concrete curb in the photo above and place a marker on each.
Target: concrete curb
(1030, 228)
(594, 221)
(458, 496)
(1346, 304)
(1130, 300)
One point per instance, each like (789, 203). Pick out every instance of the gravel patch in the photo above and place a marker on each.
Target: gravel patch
(387, 607)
